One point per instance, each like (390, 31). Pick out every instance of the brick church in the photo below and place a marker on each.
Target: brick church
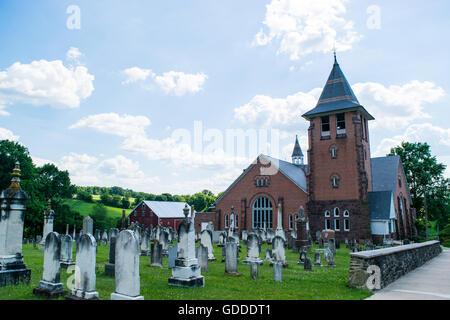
(341, 188)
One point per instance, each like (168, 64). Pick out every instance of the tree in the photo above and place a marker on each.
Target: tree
(425, 176)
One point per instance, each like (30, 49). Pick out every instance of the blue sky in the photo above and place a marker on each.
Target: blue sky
(109, 101)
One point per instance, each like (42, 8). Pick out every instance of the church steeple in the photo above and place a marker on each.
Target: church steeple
(297, 154)
(337, 96)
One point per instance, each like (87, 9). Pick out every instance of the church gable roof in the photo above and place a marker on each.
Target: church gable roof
(336, 96)
(385, 173)
(380, 205)
(293, 172)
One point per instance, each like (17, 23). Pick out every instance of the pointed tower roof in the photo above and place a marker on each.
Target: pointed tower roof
(297, 149)
(337, 96)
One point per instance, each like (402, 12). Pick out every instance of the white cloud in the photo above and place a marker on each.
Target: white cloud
(45, 83)
(181, 83)
(3, 112)
(39, 162)
(172, 82)
(268, 112)
(424, 132)
(135, 74)
(115, 124)
(397, 106)
(307, 26)
(6, 134)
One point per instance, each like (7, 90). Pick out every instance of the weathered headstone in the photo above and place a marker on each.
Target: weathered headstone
(173, 254)
(317, 260)
(202, 256)
(268, 255)
(88, 225)
(244, 236)
(187, 271)
(145, 243)
(222, 238)
(127, 267)
(206, 241)
(49, 216)
(110, 266)
(277, 271)
(12, 267)
(104, 238)
(85, 277)
(156, 257)
(231, 261)
(50, 285)
(329, 257)
(164, 241)
(253, 250)
(301, 260)
(270, 235)
(307, 266)
(66, 252)
(278, 250)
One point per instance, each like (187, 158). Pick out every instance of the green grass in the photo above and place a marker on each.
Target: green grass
(322, 284)
(85, 208)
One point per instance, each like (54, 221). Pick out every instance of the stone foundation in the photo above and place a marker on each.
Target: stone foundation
(393, 263)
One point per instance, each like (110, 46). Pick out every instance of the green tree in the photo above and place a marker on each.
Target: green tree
(425, 176)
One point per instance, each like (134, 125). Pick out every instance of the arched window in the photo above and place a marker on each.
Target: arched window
(327, 213)
(327, 220)
(346, 213)
(262, 212)
(336, 212)
(335, 181)
(290, 222)
(226, 221)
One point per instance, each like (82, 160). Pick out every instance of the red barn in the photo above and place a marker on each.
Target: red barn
(152, 213)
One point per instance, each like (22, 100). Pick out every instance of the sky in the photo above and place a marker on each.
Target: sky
(180, 96)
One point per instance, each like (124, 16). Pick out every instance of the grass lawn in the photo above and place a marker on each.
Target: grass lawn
(322, 284)
(85, 208)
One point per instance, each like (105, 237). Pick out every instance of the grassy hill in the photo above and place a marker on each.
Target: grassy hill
(85, 208)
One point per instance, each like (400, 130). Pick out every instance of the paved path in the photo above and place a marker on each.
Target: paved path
(429, 282)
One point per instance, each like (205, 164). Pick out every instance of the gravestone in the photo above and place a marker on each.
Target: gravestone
(307, 264)
(244, 236)
(173, 254)
(187, 271)
(127, 267)
(85, 277)
(12, 267)
(206, 241)
(66, 252)
(329, 257)
(145, 243)
(88, 225)
(268, 256)
(156, 257)
(317, 260)
(49, 216)
(337, 244)
(301, 260)
(278, 251)
(163, 240)
(321, 244)
(202, 256)
(331, 246)
(224, 252)
(254, 270)
(270, 236)
(277, 271)
(98, 237)
(105, 238)
(50, 285)
(231, 261)
(222, 238)
(253, 250)
(110, 266)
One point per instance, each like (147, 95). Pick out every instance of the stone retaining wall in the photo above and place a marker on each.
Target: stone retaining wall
(392, 263)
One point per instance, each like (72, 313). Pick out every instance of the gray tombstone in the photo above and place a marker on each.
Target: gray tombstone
(278, 250)
(332, 245)
(66, 252)
(253, 250)
(110, 266)
(145, 243)
(206, 241)
(85, 277)
(202, 256)
(104, 238)
(163, 240)
(308, 264)
(317, 260)
(173, 254)
(301, 260)
(244, 236)
(50, 285)
(329, 257)
(231, 260)
(88, 225)
(127, 267)
(222, 238)
(270, 236)
(156, 257)
(277, 271)
(268, 256)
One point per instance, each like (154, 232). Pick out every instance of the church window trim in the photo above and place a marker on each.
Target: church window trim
(262, 211)
(346, 225)
(346, 213)
(335, 179)
(327, 214)
(327, 224)
(336, 212)
(325, 126)
(290, 222)
(226, 221)
(337, 225)
(340, 124)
